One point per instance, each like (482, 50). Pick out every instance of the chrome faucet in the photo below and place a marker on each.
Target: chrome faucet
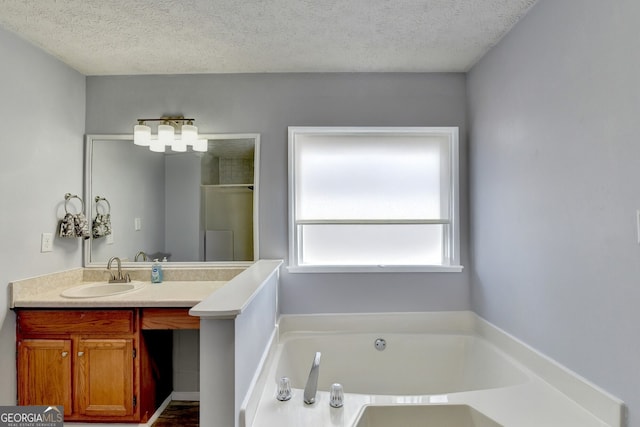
(141, 253)
(312, 383)
(119, 278)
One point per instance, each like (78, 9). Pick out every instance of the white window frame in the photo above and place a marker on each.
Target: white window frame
(451, 242)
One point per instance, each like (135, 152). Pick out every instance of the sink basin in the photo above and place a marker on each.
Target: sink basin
(101, 289)
(424, 416)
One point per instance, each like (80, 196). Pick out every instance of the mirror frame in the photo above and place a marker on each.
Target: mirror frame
(88, 153)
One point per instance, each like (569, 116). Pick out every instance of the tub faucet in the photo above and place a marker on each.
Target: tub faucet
(312, 383)
(119, 278)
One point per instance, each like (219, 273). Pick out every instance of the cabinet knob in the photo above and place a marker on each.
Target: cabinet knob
(80, 353)
(65, 353)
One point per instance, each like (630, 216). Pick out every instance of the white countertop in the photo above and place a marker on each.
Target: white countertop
(165, 294)
(232, 300)
(212, 292)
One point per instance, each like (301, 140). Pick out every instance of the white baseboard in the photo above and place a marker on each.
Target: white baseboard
(192, 396)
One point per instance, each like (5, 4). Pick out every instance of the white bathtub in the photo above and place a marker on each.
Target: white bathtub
(411, 364)
(447, 358)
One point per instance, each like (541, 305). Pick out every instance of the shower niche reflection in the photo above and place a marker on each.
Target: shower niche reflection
(189, 207)
(227, 186)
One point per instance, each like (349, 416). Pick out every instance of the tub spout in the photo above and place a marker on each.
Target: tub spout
(312, 383)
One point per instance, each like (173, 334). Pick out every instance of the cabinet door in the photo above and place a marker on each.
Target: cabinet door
(44, 373)
(104, 377)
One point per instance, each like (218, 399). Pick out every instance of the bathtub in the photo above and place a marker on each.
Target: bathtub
(452, 365)
(410, 364)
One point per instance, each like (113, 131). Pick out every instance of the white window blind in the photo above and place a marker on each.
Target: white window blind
(364, 199)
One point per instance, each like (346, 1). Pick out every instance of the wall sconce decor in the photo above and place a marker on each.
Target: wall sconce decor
(167, 135)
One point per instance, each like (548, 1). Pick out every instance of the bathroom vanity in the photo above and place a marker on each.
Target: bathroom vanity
(101, 365)
(105, 359)
(109, 358)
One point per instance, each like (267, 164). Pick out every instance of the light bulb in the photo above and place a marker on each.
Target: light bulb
(142, 135)
(166, 134)
(157, 146)
(201, 145)
(179, 145)
(189, 134)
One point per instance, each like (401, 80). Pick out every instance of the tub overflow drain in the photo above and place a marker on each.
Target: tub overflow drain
(380, 344)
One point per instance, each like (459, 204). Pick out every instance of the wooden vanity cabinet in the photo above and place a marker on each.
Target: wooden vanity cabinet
(44, 373)
(103, 380)
(92, 362)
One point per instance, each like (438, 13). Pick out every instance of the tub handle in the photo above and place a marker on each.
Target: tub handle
(336, 396)
(284, 389)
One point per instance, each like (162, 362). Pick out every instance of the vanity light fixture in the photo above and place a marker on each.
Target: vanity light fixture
(167, 134)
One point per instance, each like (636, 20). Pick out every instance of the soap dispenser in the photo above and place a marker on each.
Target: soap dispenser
(156, 272)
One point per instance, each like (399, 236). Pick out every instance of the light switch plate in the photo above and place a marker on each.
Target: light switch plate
(46, 242)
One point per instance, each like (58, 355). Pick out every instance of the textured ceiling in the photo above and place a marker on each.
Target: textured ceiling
(111, 37)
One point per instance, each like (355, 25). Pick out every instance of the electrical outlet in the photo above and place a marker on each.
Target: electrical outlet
(46, 242)
(137, 224)
(110, 239)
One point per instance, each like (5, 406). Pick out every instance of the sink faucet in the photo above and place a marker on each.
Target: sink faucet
(142, 254)
(119, 278)
(312, 383)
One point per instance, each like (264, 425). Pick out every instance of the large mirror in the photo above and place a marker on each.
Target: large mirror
(188, 207)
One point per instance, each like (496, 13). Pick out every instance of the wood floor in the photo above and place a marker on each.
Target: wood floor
(179, 413)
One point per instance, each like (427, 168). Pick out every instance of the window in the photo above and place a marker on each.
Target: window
(373, 199)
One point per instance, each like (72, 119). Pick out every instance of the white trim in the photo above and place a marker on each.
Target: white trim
(372, 221)
(375, 269)
(249, 405)
(451, 244)
(89, 138)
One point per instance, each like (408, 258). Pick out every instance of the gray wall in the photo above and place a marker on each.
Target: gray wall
(182, 207)
(267, 104)
(553, 176)
(133, 183)
(42, 104)
(555, 185)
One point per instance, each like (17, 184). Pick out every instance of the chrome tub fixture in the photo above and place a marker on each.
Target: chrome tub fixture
(119, 277)
(284, 389)
(312, 382)
(336, 396)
